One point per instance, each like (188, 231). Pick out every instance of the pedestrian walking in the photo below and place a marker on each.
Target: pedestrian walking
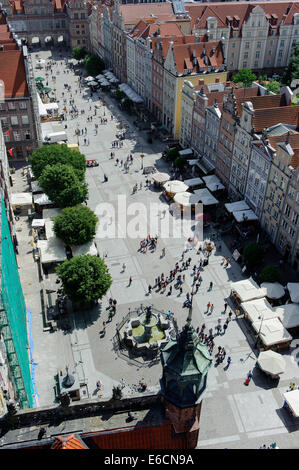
(124, 267)
(225, 306)
(212, 308)
(130, 280)
(208, 306)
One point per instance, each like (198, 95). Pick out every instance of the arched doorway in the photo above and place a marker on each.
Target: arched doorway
(35, 41)
(49, 41)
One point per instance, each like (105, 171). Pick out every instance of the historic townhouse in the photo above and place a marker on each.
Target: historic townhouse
(190, 61)
(279, 177)
(78, 11)
(256, 36)
(187, 106)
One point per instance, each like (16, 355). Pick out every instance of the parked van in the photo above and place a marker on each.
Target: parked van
(55, 137)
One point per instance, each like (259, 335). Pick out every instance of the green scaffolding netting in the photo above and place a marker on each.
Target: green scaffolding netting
(14, 317)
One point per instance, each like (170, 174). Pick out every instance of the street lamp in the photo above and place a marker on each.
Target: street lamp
(142, 157)
(260, 328)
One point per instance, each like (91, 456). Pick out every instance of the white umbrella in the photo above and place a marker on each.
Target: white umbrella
(185, 199)
(89, 79)
(271, 362)
(274, 290)
(161, 177)
(98, 77)
(175, 186)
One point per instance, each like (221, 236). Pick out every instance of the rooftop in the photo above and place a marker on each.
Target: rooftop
(13, 74)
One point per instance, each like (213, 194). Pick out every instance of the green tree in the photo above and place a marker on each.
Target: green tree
(180, 162)
(119, 94)
(269, 274)
(62, 185)
(273, 86)
(76, 225)
(292, 70)
(244, 76)
(172, 154)
(79, 53)
(52, 154)
(84, 278)
(252, 253)
(93, 64)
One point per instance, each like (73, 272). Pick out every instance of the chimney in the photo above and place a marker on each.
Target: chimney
(217, 80)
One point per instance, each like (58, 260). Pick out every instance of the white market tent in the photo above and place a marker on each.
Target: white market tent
(236, 206)
(49, 229)
(213, 183)
(175, 186)
(186, 153)
(271, 331)
(185, 198)
(293, 288)
(86, 249)
(292, 399)
(193, 182)
(246, 215)
(206, 197)
(89, 79)
(257, 309)
(51, 250)
(161, 177)
(271, 363)
(130, 93)
(35, 187)
(38, 223)
(274, 290)
(21, 199)
(288, 314)
(248, 289)
(41, 199)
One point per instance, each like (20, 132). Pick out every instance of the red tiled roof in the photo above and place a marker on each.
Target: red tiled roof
(12, 72)
(184, 52)
(132, 13)
(68, 442)
(264, 118)
(141, 437)
(262, 102)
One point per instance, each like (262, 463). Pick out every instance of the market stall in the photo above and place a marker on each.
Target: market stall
(185, 199)
(173, 187)
(21, 203)
(213, 183)
(245, 290)
(272, 334)
(245, 216)
(205, 197)
(51, 251)
(160, 178)
(257, 309)
(236, 206)
(292, 402)
(194, 183)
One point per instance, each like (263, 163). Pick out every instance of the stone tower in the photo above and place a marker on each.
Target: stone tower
(185, 363)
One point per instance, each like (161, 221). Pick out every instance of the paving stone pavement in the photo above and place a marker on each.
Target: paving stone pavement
(233, 415)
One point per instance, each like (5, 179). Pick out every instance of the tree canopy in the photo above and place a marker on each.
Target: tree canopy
(292, 70)
(273, 86)
(252, 253)
(269, 274)
(79, 52)
(76, 225)
(84, 278)
(93, 64)
(62, 185)
(172, 154)
(52, 154)
(244, 76)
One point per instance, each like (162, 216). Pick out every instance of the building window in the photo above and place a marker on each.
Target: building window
(25, 120)
(17, 135)
(23, 105)
(11, 105)
(14, 120)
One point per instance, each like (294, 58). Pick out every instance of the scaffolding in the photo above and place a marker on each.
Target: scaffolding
(13, 318)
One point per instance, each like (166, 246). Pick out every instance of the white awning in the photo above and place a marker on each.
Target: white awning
(205, 166)
(292, 399)
(243, 216)
(186, 152)
(130, 93)
(193, 182)
(41, 199)
(51, 251)
(41, 107)
(185, 199)
(271, 362)
(49, 229)
(161, 177)
(293, 288)
(21, 199)
(175, 186)
(206, 197)
(213, 183)
(38, 223)
(288, 314)
(258, 309)
(236, 206)
(271, 331)
(86, 249)
(248, 289)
